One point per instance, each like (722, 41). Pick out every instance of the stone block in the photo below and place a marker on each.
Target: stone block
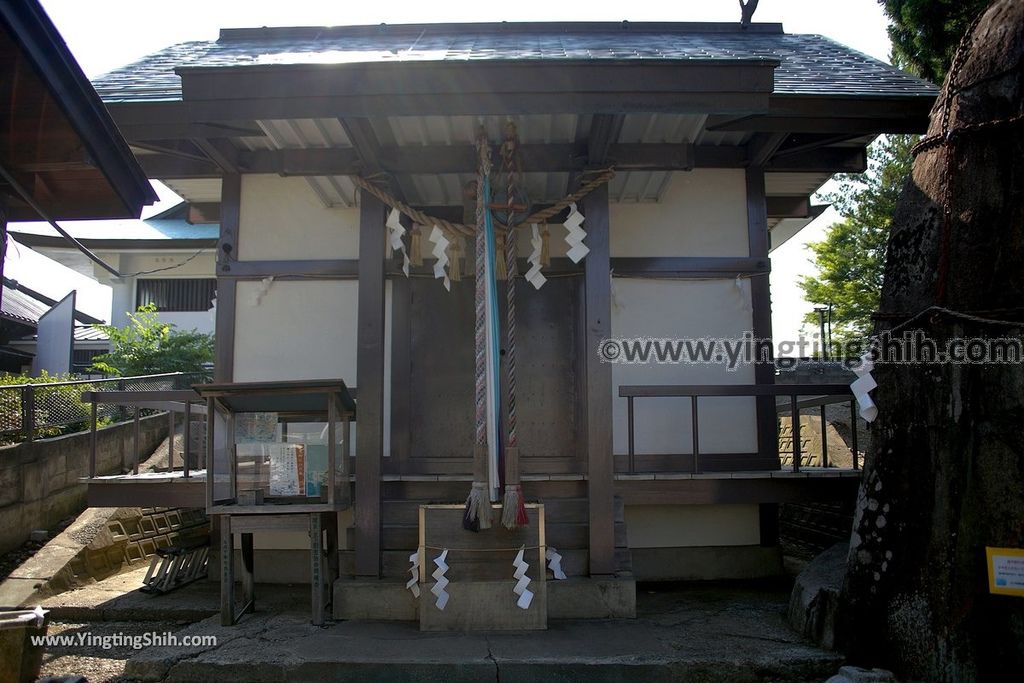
(374, 600)
(592, 598)
(484, 606)
(33, 481)
(814, 601)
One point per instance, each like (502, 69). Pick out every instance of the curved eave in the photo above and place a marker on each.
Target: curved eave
(59, 77)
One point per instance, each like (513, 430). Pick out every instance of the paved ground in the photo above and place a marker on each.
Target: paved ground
(684, 633)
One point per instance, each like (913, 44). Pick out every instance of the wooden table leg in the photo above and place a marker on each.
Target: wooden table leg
(248, 577)
(316, 555)
(333, 563)
(227, 573)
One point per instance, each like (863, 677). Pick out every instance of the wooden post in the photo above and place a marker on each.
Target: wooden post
(227, 255)
(370, 381)
(761, 323)
(600, 465)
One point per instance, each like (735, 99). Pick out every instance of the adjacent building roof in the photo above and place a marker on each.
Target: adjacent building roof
(169, 229)
(25, 306)
(59, 144)
(807, 64)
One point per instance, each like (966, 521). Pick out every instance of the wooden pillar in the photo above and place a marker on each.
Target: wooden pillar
(760, 299)
(597, 291)
(370, 386)
(227, 255)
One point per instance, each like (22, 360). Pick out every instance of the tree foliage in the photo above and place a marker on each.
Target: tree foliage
(925, 33)
(147, 346)
(851, 258)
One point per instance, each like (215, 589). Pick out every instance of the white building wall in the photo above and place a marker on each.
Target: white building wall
(703, 213)
(282, 219)
(178, 264)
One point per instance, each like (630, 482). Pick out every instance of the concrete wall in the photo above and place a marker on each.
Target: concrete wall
(39, 481)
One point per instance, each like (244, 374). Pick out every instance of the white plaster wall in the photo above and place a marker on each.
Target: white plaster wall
(682, 526)
(702, 213)
(680, 309)
(282, 219)
(299, 329)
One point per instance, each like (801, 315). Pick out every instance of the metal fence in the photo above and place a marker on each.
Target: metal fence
(34, 411)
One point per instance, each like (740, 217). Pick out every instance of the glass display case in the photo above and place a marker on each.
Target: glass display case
(277, 447)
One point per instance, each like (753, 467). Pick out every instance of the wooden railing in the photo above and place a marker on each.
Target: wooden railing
(816, 395)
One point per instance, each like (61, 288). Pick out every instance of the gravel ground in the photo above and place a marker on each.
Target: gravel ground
(90, 659)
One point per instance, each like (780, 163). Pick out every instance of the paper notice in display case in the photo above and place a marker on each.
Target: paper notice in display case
(287, 469)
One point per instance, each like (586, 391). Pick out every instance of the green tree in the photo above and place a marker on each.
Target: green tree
(146, 346)
(851, 259)
(925, 33)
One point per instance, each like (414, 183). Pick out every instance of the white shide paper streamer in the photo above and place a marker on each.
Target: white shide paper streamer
(577, 250)
(441, 582)
(554, 563)
(862, 385)
(524, 593)
(440, 252)
(395, 234)
(533, 275)
(413, 583)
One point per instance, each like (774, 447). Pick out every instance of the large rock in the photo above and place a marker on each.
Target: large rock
(814, 602)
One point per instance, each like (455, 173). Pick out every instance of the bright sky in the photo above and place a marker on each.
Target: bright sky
(105, 34)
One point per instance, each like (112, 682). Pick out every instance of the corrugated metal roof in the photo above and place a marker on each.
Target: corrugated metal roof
(808, 64)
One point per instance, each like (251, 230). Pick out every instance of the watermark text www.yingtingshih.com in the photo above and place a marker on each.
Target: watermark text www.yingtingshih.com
(913, 347)
(133, 641)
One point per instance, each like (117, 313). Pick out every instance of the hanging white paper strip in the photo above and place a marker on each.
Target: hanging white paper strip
(577, 250)
(555, 563)
(533, 275)
(440, 252)
(413, 583)
(524, 593)
(395, 233)
(864, 384)
(441, 582)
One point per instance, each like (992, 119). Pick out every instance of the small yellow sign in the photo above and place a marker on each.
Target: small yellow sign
(1005, 571)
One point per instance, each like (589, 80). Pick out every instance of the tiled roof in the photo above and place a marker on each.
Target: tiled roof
(808, 64)
(21, 305)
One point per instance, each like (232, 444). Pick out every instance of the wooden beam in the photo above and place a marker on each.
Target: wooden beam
(227, 254)
(220, 151)
(370, 379)
(788, 206)
(165, 166)
(762, 146)
(760, 299)
(825, 124)
(604, 131)
(597, 326)
(364, 141)
(824, 160)
(682, 266)
(432, 159)
(304, 268)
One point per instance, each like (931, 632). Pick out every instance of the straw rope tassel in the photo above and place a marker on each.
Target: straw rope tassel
(478, 505)
(513, 508)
